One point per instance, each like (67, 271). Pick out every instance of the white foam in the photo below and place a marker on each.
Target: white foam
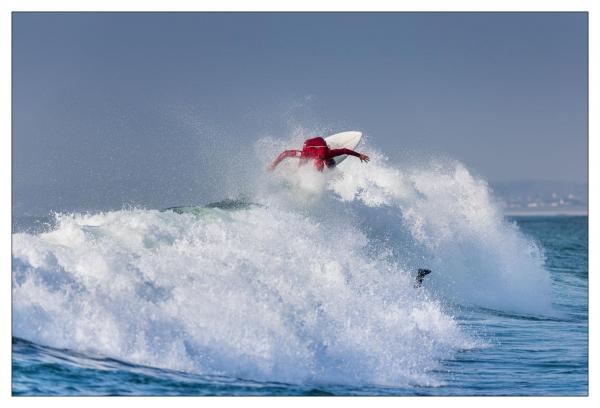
(261, 293)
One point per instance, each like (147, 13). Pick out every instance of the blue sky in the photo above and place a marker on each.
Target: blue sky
(145, 108)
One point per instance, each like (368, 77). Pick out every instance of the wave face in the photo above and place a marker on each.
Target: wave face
(314, 285)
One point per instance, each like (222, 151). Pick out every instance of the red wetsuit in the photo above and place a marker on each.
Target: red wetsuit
(315, 149)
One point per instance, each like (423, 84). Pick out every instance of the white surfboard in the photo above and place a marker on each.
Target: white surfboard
(349, 140)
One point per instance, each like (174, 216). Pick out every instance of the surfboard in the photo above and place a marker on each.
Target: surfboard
(349, 140)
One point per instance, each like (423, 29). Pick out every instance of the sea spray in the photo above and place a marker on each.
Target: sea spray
(449, 218)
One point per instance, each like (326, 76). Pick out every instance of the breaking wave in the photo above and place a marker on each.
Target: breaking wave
(312, 284)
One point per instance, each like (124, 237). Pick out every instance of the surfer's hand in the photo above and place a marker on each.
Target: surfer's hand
(364, 158)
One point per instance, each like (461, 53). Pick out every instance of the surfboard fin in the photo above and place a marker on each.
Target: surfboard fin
(421, 273)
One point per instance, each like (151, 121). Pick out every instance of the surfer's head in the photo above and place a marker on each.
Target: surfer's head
(315, 147)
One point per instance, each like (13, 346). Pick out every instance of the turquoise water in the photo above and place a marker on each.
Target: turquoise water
(515, 354)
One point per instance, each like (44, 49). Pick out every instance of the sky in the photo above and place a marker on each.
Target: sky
(158, 110)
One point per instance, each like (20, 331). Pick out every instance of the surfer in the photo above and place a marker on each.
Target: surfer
(316, 149)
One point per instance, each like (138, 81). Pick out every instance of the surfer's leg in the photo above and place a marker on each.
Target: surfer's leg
(319, 164)
(421, 273)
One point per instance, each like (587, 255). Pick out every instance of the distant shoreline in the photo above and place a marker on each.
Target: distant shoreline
(547, 213)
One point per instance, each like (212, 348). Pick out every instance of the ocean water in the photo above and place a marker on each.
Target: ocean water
(305, 288)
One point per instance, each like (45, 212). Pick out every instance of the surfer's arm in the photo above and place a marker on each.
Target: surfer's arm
(283, 155)
(339, 152)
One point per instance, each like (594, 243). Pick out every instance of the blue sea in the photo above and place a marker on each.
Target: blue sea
(307, 288)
